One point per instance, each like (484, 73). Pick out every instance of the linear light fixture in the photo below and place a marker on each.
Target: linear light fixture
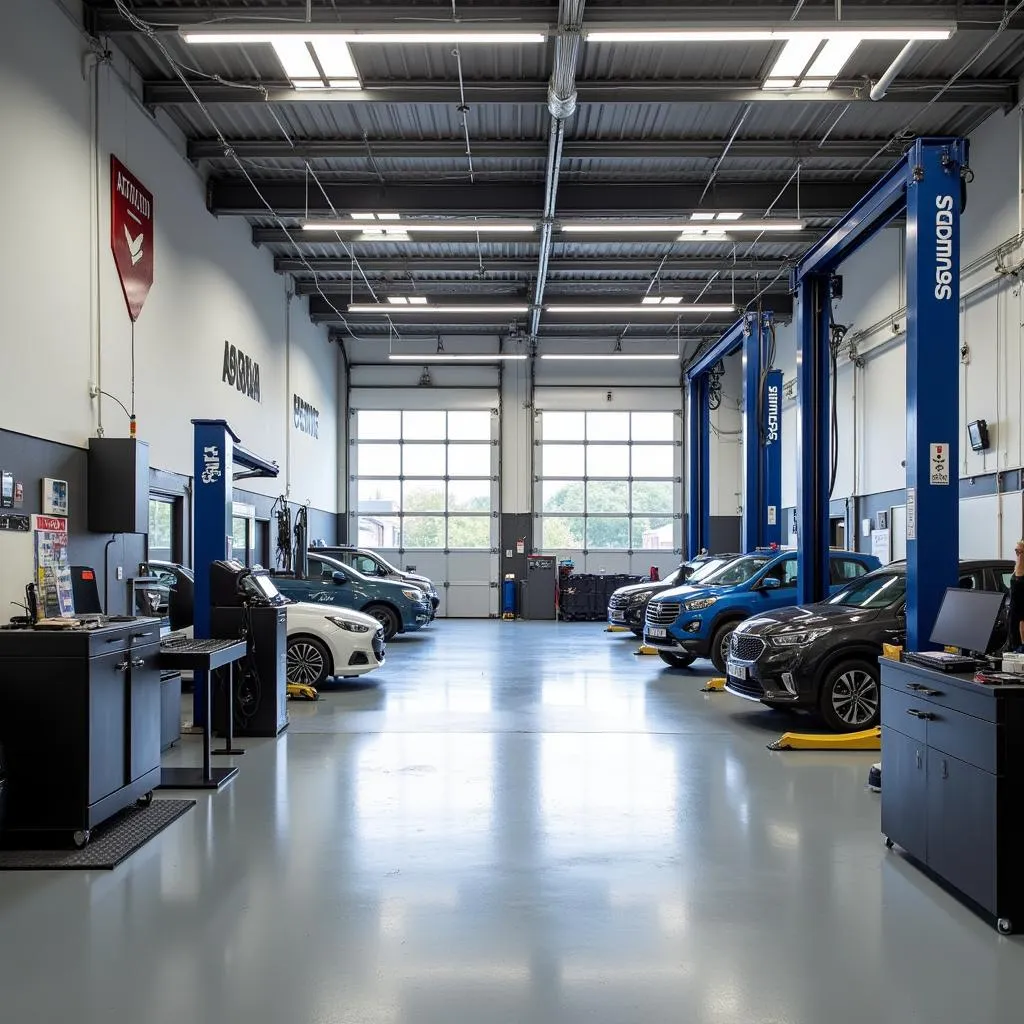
(448, 227)
(641, 307)
(768, 33)
(464, 32)
(637, 227)
(609, 356)
(460, 357)
(388, 309)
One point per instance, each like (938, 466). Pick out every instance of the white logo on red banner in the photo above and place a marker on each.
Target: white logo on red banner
(131, 235)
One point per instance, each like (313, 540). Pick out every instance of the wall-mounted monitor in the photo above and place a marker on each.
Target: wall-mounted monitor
(977, 432)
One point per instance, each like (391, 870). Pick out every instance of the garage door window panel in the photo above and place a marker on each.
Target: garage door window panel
(607, 496)
(469, 460)
(469, 496)
(377, 495)
(372, 425)
(423, 496)
(653, 460)
(608, 460)
(423, 459)
(380, 459)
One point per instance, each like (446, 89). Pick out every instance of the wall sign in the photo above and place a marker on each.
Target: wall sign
(241, 371)
(131, 235)
(305, 417)
(55, 497)
(938, 465)
(911, 513)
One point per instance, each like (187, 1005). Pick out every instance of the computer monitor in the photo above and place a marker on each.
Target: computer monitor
(966, 619)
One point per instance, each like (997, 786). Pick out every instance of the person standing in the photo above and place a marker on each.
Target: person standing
(1015, 619)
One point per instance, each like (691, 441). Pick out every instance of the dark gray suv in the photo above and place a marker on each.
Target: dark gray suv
(369, 563)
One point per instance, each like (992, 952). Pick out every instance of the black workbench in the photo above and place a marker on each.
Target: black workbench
(953, 783)
(80, 724)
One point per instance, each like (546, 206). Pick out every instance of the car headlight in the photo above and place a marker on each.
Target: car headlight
(351, 627)
(808, 636)
(699, 603)
(639, 598)
(413, 595)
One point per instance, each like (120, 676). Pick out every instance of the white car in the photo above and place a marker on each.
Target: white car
(325, 641)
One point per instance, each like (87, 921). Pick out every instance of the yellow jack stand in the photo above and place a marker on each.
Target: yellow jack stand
(867, 739)
(302, 691)
(617, 629)
(644, 649)
(509, 617)
(716, 685)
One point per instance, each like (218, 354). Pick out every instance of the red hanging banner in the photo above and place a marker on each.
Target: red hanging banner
(131, 235)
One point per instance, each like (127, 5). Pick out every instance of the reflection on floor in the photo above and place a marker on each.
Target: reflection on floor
(517, 822)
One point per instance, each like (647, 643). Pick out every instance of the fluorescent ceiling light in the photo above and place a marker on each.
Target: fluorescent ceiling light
(836, 52)
(499, 227)
(636, 227)
(661, 300)
(730, 215)
(590, 357)
(795, 56)
(689, 307)
(335, 57)
(386, 308)
(650, 300)
(363, 216)
(398, 300)
(767, 34)
(702, 216)
(389, 216)
(457, 34)
(451, 357)
(295, 58)
(417, 300)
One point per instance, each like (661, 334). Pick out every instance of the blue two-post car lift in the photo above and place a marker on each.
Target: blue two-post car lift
(762, 435)
(928, 185)
(219, 460)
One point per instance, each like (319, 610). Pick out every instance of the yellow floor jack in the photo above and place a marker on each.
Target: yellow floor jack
(716, 685)
(302, 691)
(645, 649)
(866, 739)
(617, 629)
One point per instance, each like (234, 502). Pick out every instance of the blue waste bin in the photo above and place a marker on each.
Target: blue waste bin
(508, 597)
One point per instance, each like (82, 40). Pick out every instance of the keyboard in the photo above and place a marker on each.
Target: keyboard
(941, 661)
(190, 646)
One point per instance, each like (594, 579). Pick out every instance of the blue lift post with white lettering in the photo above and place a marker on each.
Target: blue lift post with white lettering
(762, 433)
(218, 461)
(928, 184)
(698, 519)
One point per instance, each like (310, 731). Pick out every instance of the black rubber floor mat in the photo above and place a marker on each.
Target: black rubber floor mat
(111, 843)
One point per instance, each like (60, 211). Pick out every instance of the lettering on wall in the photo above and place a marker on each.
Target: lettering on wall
(943, 247)
(305, 417)
(241, 371)
(773, 413)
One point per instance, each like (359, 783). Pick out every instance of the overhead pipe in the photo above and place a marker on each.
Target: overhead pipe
(881, 87)
(562, 105)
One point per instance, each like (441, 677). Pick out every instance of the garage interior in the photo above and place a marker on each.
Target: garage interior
(534, 300)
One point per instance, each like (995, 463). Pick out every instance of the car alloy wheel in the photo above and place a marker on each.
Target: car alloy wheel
(306, 663)
(854, 699)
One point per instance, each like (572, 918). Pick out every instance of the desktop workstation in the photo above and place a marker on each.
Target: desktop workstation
(953, 761)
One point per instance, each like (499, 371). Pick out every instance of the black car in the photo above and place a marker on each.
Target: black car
(628, 605)
(824, 657)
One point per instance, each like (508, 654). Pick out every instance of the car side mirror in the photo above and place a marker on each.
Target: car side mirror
(339, 578)
(769, 583)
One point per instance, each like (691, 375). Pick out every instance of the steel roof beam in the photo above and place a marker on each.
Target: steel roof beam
(720, 291)
(643, 268)
(995, 92)
(104, 17)
(233, 196)
(855, 150)
(404, 256)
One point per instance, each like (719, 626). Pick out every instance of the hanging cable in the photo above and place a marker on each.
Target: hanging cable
(836, 333)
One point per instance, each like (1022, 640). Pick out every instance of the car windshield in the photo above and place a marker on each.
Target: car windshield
(332, 565)
(739, 570)
(704, 570)
(382, 562)
(881, 591)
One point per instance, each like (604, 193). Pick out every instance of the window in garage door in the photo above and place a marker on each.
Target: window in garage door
(608, 480)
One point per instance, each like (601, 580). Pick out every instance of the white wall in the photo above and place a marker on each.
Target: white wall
(58, 281)
(872, 428)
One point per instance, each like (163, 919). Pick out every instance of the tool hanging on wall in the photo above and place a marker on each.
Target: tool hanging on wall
(283, 514)
(301, 560)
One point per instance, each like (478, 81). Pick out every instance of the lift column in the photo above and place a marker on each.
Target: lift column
(812, 437)
(698, 521)
(933, 379)
(753, 463)
(771, 464)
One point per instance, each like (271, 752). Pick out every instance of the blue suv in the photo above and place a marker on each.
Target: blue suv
(693, 622)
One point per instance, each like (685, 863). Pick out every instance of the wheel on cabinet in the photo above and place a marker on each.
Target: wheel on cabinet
(145, 800)
(888, 843)
(677, 660)
(1005, 926)
(81, 838)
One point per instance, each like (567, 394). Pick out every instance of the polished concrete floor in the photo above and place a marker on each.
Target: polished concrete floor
(517, 822)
